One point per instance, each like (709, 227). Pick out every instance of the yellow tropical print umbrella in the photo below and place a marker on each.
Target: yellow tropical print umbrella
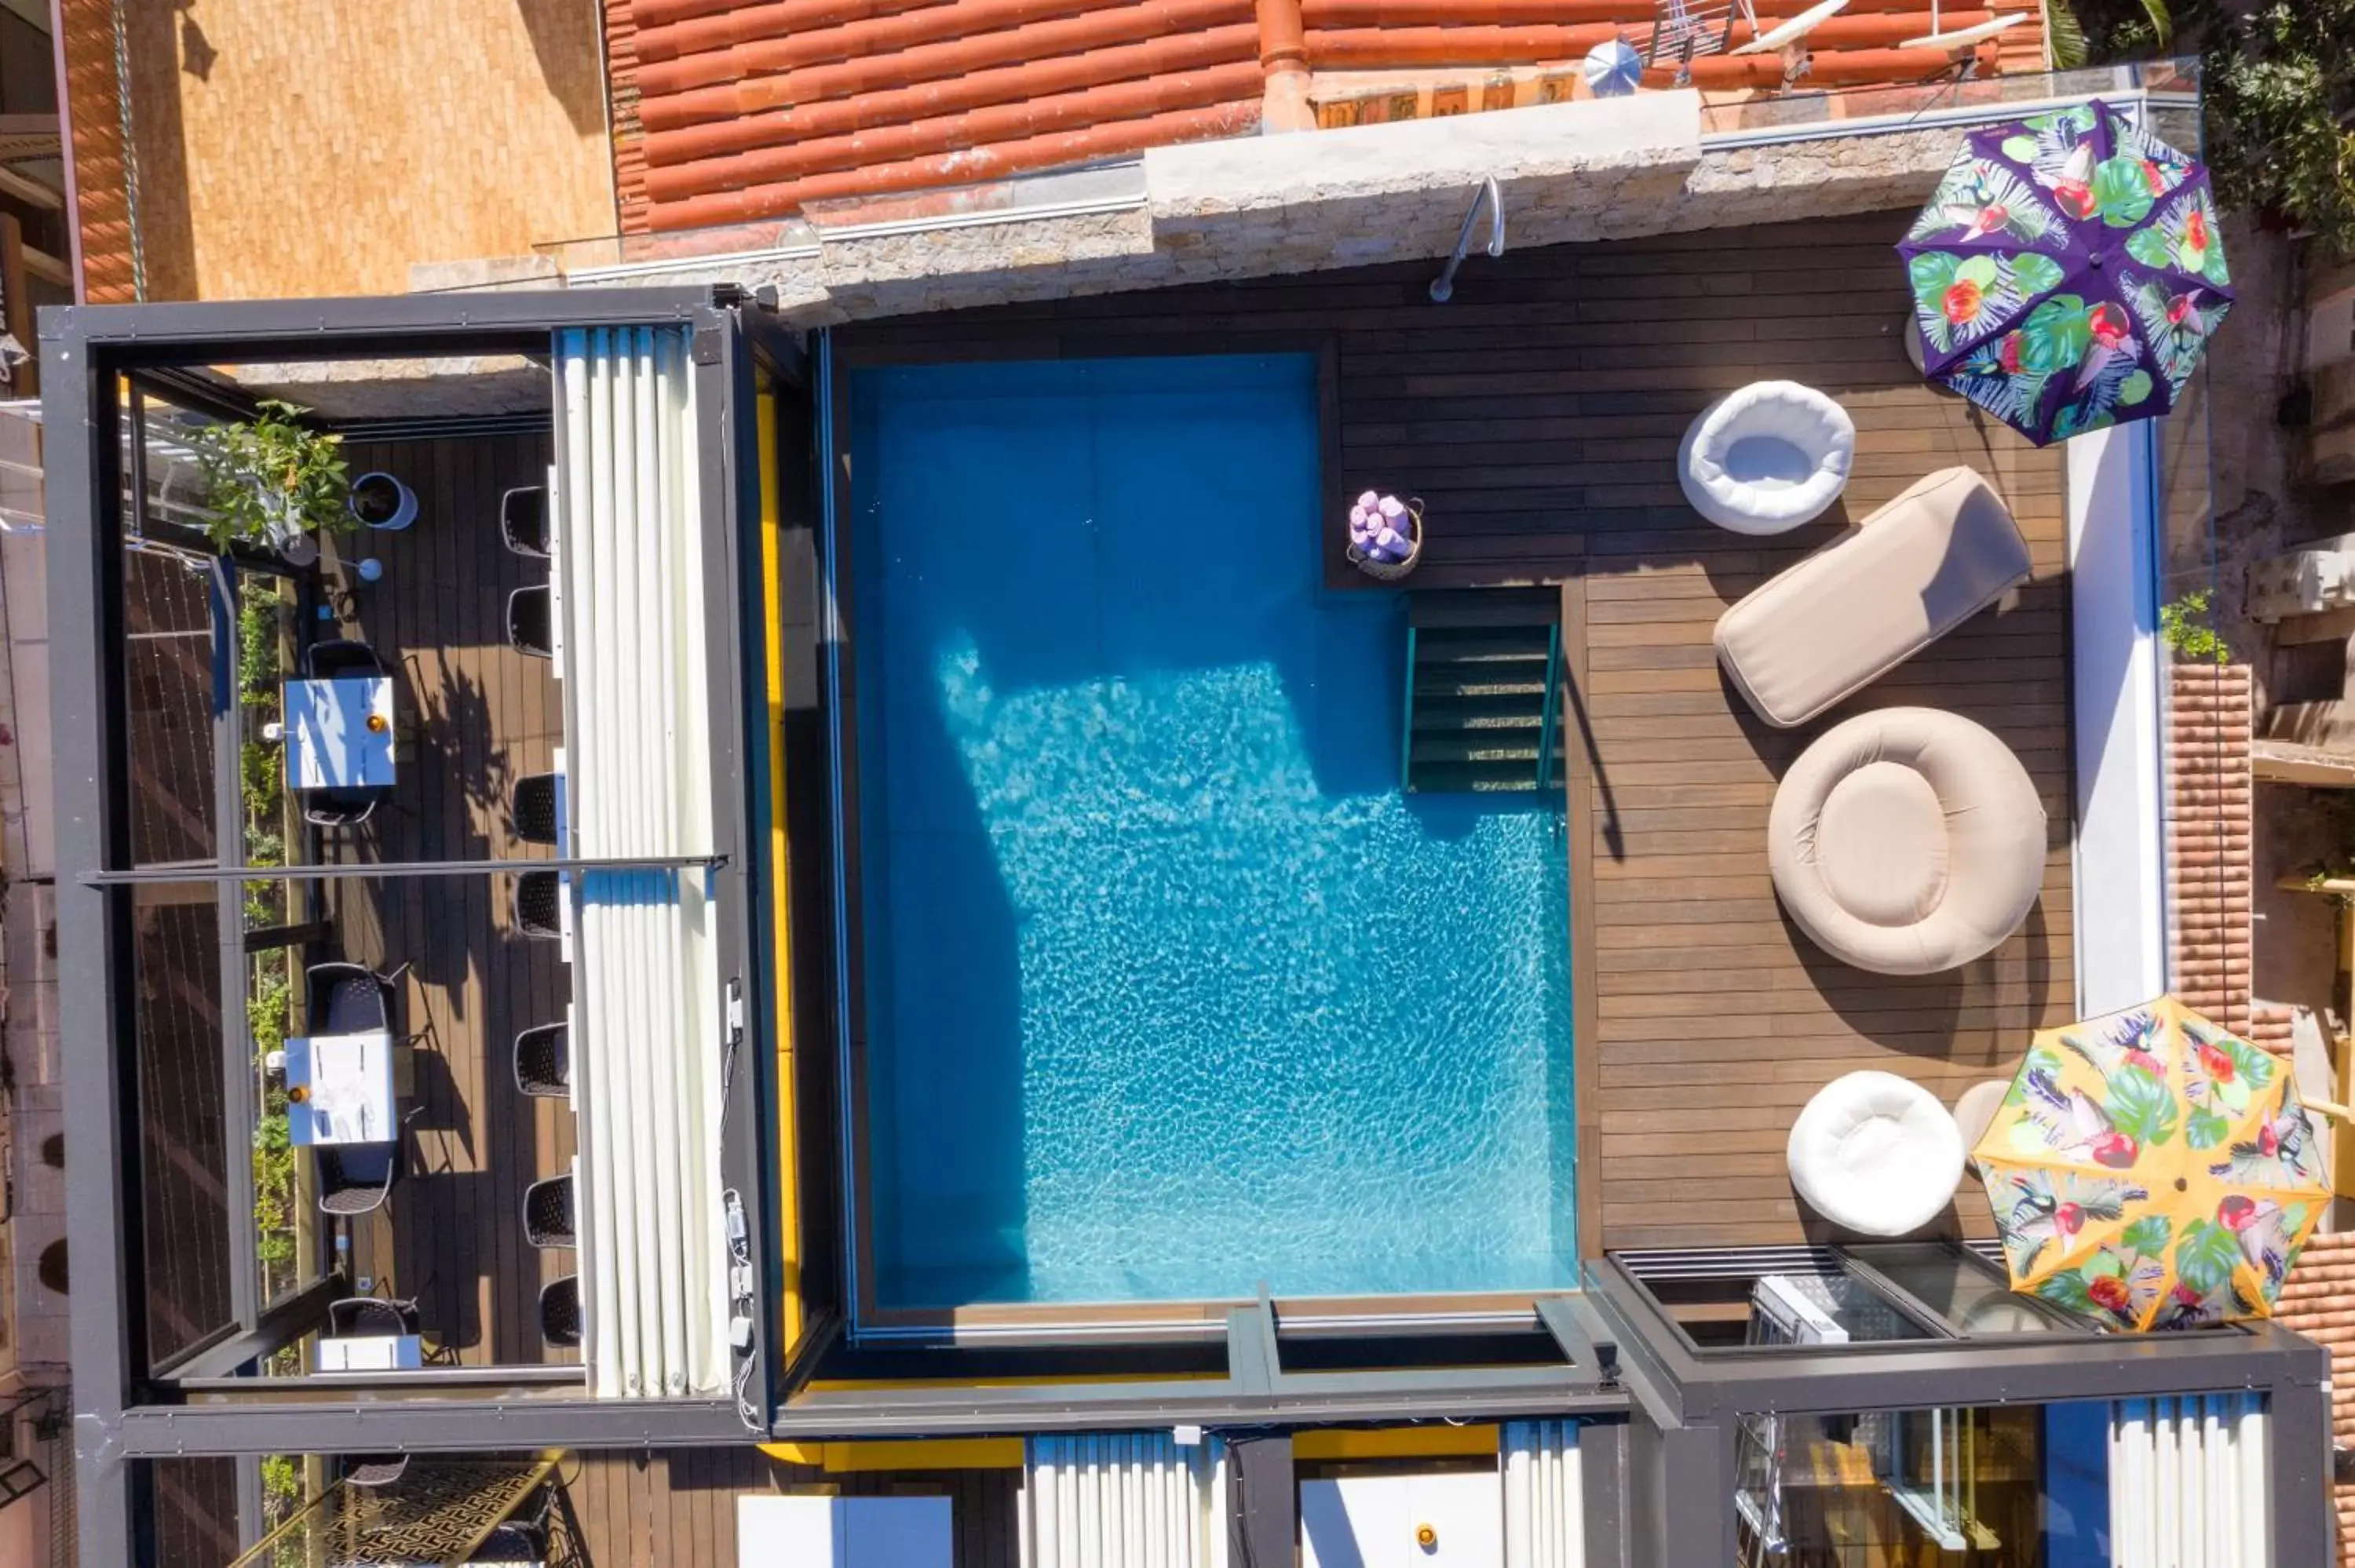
(2153, 1171)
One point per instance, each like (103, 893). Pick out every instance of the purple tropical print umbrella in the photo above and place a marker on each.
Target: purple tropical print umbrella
(2068, 273)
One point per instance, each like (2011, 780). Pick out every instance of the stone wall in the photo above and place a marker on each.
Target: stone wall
(1269, 205)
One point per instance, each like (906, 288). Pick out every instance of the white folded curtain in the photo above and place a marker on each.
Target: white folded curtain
(2188, 1482)
(647, 1040)
(1545, 1511)
(1122, 1500)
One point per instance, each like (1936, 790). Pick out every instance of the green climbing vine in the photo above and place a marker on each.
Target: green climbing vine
(2185, 625)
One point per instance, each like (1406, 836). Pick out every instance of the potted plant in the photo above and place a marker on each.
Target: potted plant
(1385, 535)
(382, 501)
(271, 479)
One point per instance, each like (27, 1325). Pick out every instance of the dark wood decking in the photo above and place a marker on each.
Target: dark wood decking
(475, 716)
(677, 1506)
(1539, 415)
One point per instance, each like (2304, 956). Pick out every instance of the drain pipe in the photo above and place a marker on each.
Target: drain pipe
(1284, 59)
(1444, 286)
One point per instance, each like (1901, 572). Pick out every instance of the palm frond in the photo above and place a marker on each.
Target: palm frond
(2161, 21)
(2065, 36)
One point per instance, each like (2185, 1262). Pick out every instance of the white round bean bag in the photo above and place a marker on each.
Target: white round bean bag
(1907, 841)
(1767, 458)
(1876, 1154)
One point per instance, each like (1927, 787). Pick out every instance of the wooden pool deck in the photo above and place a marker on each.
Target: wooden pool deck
(1537, 415)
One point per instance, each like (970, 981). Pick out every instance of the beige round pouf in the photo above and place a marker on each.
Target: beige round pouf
(1876, 1154)
(1907, 841)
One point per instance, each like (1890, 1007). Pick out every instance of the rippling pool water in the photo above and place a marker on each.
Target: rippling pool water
(1170, 991)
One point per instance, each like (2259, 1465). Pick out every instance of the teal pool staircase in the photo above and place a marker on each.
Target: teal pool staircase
(1483, 691)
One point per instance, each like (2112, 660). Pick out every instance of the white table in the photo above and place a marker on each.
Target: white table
(346, 1080)
(371, 1352)
(329, 742)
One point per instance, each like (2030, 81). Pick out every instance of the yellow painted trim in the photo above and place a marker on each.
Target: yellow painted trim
(912, 1454)
(1395, 1443)
(794, 1453)
(789, 1212)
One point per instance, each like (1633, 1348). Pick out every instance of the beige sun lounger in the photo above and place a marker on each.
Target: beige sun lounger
(1934, 556)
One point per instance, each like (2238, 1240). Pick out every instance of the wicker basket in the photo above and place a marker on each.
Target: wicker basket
(1391, 571)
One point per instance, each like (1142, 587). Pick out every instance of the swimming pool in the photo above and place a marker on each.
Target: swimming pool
(1170, 992)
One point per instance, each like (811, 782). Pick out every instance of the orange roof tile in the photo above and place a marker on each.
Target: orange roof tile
(730, 110)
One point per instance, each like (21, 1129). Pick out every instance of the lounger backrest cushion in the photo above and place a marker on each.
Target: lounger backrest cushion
(1941, 552)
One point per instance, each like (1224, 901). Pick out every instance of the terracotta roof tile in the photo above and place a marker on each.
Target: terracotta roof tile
(727, 112)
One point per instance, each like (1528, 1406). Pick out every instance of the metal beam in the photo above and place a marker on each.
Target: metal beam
(1254, 1365)
(124, 337)
(279, 1325)
(1433, 1394)
(81, 452)
(360, 871)
(2303, 1522)
(1262, 1500)
(531, 1419)
(241, 1113)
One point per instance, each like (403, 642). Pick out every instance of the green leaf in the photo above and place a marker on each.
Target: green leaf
(1933, 273)
(2205, 1130)
(2065, 37)
(2161, 21)
(2206, 1257)
(2121, 194)
(2135, 387)
(2148, 1237)
(2254, 1068)
(2104, 1262)
(2140, 1107)
(1980, 270)
(2034, 274)
(2151, 246)
(2020, 149)
(2055, 336)
(2066, 1288)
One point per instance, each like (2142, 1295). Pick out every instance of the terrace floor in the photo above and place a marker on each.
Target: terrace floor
(476, 716)
(1538, 416)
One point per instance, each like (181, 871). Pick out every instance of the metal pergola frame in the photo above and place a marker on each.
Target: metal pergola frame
(127, 1408)
(1682, 1442)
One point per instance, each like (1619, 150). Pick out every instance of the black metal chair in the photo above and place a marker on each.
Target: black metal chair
(523, 521)
(540, 904)
(560, 1312)
(530, 621)
(523, 1536)
(340, 659)
(543, 1061)
(358, 1315)
(375, 1469)
(513, 1542)
(548, 1212)
(355, 1178)
(535, 808)
(348, 999)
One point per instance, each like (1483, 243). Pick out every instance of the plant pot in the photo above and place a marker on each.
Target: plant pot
(301, 550)
(1391, 571)
(380, 500)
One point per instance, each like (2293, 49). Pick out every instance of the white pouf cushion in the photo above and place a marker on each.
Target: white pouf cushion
(1876, 1154)
(1907, 841)
(1767, 458)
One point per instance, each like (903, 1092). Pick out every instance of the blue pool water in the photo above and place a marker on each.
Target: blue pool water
(1170, 991)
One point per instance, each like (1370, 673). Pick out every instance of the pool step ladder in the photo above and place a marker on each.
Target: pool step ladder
(1483, 690)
